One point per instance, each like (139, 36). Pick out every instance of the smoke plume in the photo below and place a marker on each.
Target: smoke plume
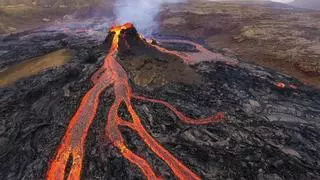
(141, 13)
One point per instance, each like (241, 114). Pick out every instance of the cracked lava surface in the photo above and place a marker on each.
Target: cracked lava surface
(113, 74)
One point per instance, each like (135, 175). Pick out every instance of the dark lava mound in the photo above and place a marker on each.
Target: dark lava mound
(148, 66)
(271, 130)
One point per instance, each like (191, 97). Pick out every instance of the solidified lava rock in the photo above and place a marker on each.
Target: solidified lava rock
(270, 132)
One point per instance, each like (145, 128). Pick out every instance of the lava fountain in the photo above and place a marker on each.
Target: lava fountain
(112, 74)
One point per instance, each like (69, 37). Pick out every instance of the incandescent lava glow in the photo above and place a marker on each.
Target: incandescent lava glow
(112, 74)
(280, 85)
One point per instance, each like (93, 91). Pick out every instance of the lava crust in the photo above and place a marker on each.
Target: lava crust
(122, 116)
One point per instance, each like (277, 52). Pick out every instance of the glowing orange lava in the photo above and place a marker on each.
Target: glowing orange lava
(72, 145)
(203, 54)
(280, 85)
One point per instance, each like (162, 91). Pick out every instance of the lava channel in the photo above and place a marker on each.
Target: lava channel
(72, 144)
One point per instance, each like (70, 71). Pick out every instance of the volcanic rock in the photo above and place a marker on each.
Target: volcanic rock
(270, 132)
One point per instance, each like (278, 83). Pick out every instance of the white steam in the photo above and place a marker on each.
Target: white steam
(141, 13)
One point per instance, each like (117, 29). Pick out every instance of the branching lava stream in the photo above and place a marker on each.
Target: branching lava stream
(72, 145)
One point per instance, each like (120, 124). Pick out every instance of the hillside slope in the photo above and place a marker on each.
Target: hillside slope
(25, 14)
(285, 39)
(309, 4)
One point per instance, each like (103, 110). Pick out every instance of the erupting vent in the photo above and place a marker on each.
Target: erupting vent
(113, 74)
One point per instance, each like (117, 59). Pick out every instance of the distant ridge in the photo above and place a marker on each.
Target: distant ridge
(309, 4)
(265, 3)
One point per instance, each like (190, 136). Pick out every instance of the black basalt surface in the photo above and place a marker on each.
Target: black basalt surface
(269, 133)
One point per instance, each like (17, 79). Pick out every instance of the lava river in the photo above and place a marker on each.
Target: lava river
(111, 74)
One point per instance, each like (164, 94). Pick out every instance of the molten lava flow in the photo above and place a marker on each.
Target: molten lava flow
(194, 58)
(219, 116)
(280, 85)
(73, 141)
(112, 73)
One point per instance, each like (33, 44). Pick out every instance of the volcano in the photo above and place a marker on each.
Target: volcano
(112, 74)
(154, 109)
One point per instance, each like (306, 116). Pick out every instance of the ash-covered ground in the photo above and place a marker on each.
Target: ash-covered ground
(270, 132)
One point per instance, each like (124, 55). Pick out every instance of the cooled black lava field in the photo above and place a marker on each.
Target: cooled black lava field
(271, 128)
